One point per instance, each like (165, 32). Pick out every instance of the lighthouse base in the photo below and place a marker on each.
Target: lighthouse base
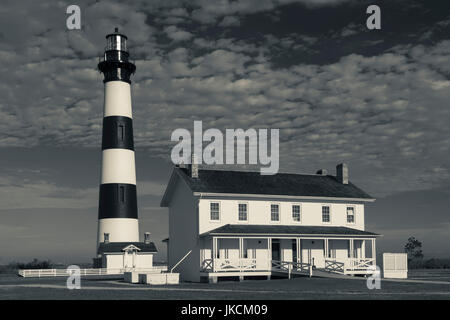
(125, 255)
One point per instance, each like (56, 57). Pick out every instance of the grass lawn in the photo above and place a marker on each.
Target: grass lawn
(13, 287)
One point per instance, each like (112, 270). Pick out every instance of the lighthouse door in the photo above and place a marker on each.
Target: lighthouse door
(128, 258)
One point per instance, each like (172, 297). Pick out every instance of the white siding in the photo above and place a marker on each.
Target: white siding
(259, 213)
(144, 260)
(114, 261)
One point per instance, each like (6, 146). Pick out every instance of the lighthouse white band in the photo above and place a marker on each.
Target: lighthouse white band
(118, 166)
(119, 229)
(117, 99)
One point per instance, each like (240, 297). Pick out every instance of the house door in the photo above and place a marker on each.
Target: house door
(276, 250)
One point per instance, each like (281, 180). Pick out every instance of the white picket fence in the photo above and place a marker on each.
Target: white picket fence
(38, 273)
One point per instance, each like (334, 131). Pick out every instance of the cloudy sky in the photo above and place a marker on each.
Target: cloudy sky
(378, 100)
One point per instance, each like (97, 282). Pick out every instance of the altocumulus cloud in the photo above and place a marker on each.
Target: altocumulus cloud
(382, 113)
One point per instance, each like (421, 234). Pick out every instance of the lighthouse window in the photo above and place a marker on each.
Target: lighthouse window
(122, 193)
(121, 132)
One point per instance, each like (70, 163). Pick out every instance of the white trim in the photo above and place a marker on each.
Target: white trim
(293, 235)
(247, 195)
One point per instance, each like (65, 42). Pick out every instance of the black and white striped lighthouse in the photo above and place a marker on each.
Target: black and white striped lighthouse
(117, 211)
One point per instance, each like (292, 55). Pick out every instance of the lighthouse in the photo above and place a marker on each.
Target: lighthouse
(118, 243)
(117, 211)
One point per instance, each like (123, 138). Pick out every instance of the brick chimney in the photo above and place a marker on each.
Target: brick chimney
(147, 237)
(322, 172)
(194, 166)
(342, 173)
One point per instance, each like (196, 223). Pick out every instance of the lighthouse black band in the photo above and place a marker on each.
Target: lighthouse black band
(117, 200)
(117, 133)
(117, 70)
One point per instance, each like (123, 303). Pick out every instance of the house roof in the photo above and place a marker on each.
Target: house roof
(251, 230)
(253, 183)
(120, 246)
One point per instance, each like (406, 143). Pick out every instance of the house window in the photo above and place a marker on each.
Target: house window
(325, 214)
(296, 212)
(214, 211)
(350, 215)
(275, 212)
(242, 212)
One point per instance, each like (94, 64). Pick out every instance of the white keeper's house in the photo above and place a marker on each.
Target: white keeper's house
(243, 224)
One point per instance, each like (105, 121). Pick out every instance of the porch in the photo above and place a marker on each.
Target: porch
(290, 255)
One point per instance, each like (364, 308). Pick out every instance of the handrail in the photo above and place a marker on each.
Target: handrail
(176, 265)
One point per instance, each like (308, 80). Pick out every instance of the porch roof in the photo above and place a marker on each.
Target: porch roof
(111, 247)
(268, 230)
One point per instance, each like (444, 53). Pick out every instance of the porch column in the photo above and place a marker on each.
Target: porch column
(351, 248)
(269, 253)
(297, 246)
(214, 252)
(374, 254)
(363, 249)
(326, 248)
(241, 248)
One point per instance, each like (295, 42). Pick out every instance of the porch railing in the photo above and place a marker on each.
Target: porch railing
(358, 264)
(234, 264)
(244, 264)
(349, 265)
(289, 266)
(334, 266)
